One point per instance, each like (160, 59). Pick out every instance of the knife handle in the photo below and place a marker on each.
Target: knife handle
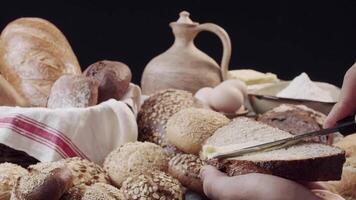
(347, 130)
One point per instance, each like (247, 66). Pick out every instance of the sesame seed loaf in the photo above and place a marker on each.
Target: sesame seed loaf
(190, 127)
(134, 158)
(152, 185)
(42, 185)
(83, 171)
(9, 173)
(96, 191)
(306, 161)
(186, 168)
(157, 109)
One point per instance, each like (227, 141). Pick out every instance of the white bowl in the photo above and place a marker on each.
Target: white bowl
(265, 99)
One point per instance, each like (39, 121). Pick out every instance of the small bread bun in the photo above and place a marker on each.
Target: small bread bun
(186, 168)
(134, 158)
(94, 192)
(83, 171)
(42, 185)
(73, 91)
(156, 111)
(9, 173)
(189, 128)
(114, 78)
(152, 185)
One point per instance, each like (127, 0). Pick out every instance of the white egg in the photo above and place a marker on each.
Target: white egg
(237, 84)
(225, 98)
(204, 95)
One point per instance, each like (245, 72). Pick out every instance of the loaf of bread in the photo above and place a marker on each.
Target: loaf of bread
(186, 168)
(73, 91)
(97, 191)
(83, 171)
(42, 185)
(190, 127)
(34, 54)
(152, 185)
(9, 173)
(295, 119)
(346, 187)
(11, 155)
(114, 78)
(134, 158)
(155, 112)
(9, 96)
(306, 161)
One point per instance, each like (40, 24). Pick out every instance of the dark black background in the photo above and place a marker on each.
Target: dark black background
(284, 37)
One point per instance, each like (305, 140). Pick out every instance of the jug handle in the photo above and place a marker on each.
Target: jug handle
(225, 39)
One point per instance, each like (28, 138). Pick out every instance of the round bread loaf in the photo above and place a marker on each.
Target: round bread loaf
(346, 187)
(96, 191)
(114, 78)
(156, 111)
(152, 185)
(190, 127)
(134, 158)
(186, 168)
(33, 55)
(9, 173)
(73, 91)
(83, 171)
(42, 185)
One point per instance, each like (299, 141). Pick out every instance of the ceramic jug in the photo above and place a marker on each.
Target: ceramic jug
(183, 66)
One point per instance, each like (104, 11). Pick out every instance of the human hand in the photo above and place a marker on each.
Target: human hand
(218, 186)
(347, 101)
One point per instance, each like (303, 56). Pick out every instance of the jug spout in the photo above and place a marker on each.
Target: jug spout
(184, 29)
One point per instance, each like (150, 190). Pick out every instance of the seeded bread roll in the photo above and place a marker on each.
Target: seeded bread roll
(83, 171)
(186, 168)
(190, 127)
(156, 111)
(152, 185)
(114, 78)
(73, 91)
(346, 187)
(9, 173)
(96, 191)
(134, 158)
(42, 185)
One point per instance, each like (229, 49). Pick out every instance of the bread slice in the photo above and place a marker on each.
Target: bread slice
(306, 161)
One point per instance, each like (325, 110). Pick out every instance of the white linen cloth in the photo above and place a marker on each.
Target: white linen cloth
(53, 134)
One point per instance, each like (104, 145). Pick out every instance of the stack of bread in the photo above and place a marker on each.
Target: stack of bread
(39, 68)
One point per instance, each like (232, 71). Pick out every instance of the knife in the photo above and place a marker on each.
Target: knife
(345, 126)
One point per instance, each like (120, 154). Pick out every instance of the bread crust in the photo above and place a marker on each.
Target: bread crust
(312, 169)
(33, 54)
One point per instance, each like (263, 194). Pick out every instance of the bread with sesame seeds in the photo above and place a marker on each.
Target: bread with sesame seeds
(9, 173)
(134, 158)
(42, 185)
(152, 185)
(157, 109)
(96, 191)
(83, 171)
(190, 127)
(186, 168)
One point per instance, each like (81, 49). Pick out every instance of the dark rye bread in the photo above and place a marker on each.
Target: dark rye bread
(295, 119)
(307, 161)
(8, 154)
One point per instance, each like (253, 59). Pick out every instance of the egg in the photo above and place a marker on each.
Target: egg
(226, 99)
(204, 95)
(238, 85)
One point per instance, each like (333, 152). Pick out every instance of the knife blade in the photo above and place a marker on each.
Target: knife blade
(345, 126)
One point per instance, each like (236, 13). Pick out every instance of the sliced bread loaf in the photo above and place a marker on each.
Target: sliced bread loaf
(307, 161)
